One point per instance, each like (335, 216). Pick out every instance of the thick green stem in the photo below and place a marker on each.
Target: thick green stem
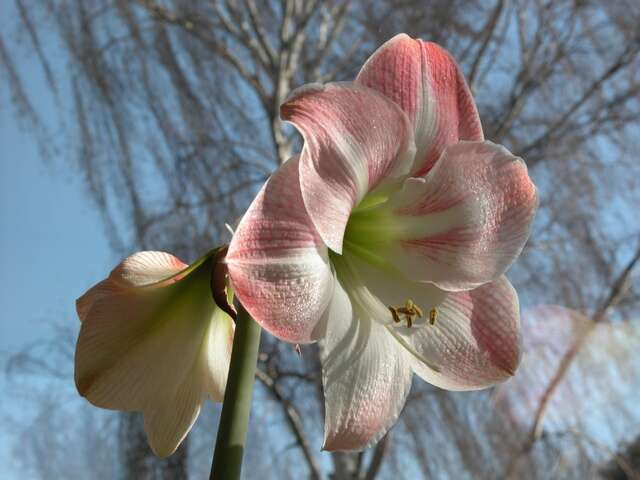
(234, 420)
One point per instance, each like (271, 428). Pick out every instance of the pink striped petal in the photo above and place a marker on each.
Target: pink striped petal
(278, 263)
(475, 342)
(466, 222)
(139, 269)
(355, 140)
(429, 86)
(366, 377)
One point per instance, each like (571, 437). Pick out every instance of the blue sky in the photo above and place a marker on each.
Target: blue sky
(52, 245)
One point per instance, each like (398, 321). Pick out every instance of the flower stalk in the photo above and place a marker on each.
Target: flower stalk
(234, 420)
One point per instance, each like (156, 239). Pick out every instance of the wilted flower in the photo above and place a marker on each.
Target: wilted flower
(153, 340)
(387, 239)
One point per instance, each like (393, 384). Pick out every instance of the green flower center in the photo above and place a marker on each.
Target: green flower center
(370, 230)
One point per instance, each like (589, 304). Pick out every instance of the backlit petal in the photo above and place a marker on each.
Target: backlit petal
(366, 377)
(168, 424)
(278, 263)
(144, 268)
(467, 221)
(138, 347)
(217, 354)
(141, 268)
(429, 86)
(355, 140)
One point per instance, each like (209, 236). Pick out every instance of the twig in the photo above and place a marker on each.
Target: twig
(624, 59)
(294, 421)
(488, 34)
(614, 296)
(378, 456)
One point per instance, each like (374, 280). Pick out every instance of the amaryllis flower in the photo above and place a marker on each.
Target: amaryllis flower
(387, 239)
(153, 340)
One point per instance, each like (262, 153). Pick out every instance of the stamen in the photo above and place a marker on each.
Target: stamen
(433, 316)
(394, 314)
(410, 311)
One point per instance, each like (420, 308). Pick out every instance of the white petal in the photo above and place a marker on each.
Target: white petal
(138, 346)
(366, 378)
(168, 424)
(475, 341)
(139, 269)
(145, 268)
(217, 353)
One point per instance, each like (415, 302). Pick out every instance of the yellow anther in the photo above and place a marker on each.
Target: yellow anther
(410, 311)
(394, 314)
(433, 316)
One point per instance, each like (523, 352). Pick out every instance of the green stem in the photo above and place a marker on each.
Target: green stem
(234, 420)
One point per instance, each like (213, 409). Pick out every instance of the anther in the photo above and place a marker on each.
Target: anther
(433, 316)
(410, 311)
(394, 314)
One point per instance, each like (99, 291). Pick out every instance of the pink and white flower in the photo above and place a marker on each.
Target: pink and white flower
(153, 340)
(387, 239)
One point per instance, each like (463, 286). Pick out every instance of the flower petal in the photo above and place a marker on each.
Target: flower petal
(139, 269)
(387, 287)
(167, 425)
(429, 86)
(144, 268)
(467, 221)
(217, 354)
(475, 342)
(355, 140)
(278, 263)
(138, 346)
(366, 377)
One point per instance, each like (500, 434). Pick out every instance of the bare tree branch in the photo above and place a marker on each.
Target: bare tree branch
(488, 33)
(294, 421)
